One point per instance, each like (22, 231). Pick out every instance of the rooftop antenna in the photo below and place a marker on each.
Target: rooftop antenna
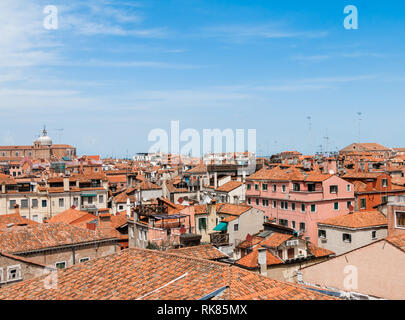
(60, 133)
(359, 122)
(327, 141)
(310, 133)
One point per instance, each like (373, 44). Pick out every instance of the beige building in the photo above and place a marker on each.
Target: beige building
(351, 231)
(227, 225)
(14, 269)
(38, 202)
(373, 271)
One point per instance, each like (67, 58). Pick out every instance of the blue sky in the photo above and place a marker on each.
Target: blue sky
(114, 70)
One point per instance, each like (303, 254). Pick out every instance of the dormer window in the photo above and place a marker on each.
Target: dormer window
(13, 273)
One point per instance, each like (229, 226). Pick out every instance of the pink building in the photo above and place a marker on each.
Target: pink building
(298, 199)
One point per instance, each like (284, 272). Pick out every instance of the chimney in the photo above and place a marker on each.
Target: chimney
(128, 208)
(66, 184)
(91, 226)
(16, 209)
(262, 261)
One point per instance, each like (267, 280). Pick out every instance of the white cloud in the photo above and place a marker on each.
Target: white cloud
(240, 33)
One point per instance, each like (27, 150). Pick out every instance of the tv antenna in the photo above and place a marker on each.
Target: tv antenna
(359, 122)
(310, 133)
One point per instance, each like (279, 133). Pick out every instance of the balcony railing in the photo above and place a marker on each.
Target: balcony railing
(219, 239)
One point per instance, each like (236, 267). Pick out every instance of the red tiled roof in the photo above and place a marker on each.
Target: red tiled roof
(232, 209)
(319, 252)
(229, 186)
(40, 236)
(359, 219)
(397, 241)
(15, 219)
(68, 216)
(207, 251)
(251, 260)
(152, 275)
(276, 239)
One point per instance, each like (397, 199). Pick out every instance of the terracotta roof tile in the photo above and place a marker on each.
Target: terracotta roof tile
(152, 275)
(359, 219)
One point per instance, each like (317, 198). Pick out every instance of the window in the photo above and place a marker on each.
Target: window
(322, 234)
(336, 206)
(349, 188)
(44, 204)
(61, 202)
(274, 204)
(84, 259)
(34, 203)
(60, 265)
(283, 222)
(293, 206)
(348, 204)
(274, 188)
(17, 154)
(120, 207)
(311, 187)
(264, 186)
(76, 201)
(100, 199)
(384, 199)
(302, 226)
(4, 154)
(202, 223)
(284, 205)
(265, 203)
(293, 224)
(13, 273)
(400, 219)
(283, 188)
(90, 200)
(249, 201)
(256, 187)
(333, 189)
(12, 203)
(302, 207)
(235, 227)
(362, 203)
(24, 203)
(313, 208)
(374, 235)
(384, 183)
(296, 187)
(35, 217)
(257, 202)
(249, 186)
(347, 237)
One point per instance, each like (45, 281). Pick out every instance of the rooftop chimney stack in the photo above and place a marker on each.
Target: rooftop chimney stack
(128, 208)
(262, 261)
(16, 209)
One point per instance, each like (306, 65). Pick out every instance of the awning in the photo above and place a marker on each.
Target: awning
(89, 195)
(221, 227)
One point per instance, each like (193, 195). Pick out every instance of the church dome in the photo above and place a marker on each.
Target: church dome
(44, 140)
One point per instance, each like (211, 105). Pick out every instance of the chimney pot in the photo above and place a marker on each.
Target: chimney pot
(262, 261)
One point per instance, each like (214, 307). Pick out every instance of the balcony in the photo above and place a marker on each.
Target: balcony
(219, 239)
